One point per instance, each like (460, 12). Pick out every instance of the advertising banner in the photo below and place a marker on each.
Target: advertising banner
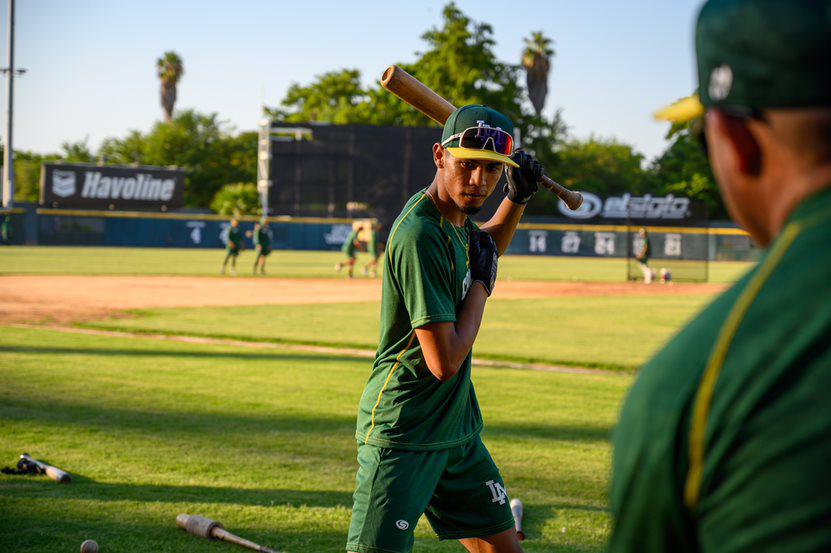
(109, 187)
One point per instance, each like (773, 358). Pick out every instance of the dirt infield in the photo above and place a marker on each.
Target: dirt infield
(66, 299)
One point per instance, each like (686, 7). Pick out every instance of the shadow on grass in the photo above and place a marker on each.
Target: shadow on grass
(43, 529)
(570, 433)
(88, 489)
(240, 354)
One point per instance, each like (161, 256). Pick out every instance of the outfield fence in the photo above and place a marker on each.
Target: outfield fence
(62, 227)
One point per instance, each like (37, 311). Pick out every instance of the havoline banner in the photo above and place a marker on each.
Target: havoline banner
(123, 188)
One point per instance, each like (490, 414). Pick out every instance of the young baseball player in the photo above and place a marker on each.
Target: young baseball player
(419, 450)
(642, 255)
(262, 243)
(375, 252)
(349, 248)
(232, 247)
(724, 442)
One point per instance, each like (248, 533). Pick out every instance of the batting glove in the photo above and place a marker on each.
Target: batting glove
(522, 180)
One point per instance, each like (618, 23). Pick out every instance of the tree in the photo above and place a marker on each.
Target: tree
(536, 59)
(240, 198)
(202, 145)
(684, 170)
(170, 69)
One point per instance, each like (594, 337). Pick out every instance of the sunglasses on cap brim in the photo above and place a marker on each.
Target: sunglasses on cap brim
(484, 138)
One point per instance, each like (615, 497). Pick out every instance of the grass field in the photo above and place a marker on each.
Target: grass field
(295, 264)
(262, 439)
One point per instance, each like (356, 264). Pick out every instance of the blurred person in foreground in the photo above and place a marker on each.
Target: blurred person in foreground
(724, 442)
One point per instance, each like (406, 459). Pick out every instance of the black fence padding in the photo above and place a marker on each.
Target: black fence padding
(353, 171)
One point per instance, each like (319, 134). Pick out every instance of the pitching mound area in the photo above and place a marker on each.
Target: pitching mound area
(67, 299)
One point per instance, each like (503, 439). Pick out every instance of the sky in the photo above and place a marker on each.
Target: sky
(91, 63)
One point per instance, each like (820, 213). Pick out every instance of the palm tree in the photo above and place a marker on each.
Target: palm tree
(536, 59)
(170, 69)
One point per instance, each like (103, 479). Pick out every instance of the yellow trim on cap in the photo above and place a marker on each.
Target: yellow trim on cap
(467, 153)
(681, 111)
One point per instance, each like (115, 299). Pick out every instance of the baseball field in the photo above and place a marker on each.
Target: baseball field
(165, 388)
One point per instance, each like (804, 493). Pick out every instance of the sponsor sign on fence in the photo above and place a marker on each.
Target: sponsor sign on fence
(111, 187)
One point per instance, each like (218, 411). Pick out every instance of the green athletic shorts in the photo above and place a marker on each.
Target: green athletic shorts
(459, 490)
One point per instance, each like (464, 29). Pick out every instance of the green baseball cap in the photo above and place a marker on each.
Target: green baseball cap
(479, 132)
(759, 54)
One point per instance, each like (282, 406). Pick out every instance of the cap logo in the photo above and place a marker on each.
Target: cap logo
(721, 81)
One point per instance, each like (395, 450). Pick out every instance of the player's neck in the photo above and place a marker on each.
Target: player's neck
(445, 205)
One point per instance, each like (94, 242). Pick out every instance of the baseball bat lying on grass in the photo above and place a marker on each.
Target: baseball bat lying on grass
(425, 100)
(54, 473)
(212, 530)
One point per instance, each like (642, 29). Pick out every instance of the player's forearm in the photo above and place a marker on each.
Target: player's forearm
(503, 224)
(446, 345)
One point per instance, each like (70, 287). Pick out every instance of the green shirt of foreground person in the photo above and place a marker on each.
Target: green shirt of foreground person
(724, 442)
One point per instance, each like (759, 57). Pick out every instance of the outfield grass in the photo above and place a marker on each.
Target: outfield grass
(294, 264)
(618, 332)
(261, 441)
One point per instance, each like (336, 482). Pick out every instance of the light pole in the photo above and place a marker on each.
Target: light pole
(8, 152)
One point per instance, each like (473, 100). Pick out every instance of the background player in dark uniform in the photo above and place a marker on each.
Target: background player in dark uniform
(724, 442)
(262, 243)
(350, 245)
(233, 246)
(374, 250)
(642, 255)
(419, 450)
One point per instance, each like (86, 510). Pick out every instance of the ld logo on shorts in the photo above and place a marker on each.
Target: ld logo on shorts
(497, 491)
(402, 524)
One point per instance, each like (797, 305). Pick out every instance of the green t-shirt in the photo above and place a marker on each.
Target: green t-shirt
(372, 247)
(349, 245)
(262, 238)
(426, 279)
(234, 238)
(765, 348)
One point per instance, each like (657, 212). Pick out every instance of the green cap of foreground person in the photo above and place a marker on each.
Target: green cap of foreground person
(724, 440)
(760, 54)
(479, 132)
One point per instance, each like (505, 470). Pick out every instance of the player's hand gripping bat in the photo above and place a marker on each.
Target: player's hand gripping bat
(418, 95)
(54, 473)
(211, 529)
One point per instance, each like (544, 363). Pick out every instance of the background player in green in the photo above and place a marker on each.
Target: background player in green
(262, 243)
(724, 442)
(372, 247)
(642, 255)
(349, 246)
(232, 247)
(419, 450)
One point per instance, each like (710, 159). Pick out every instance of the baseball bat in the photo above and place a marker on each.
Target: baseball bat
(425, 100)
(213, 530)
(54, 473)
(518, 510)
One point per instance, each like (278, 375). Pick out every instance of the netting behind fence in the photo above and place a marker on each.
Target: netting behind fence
(678, 249)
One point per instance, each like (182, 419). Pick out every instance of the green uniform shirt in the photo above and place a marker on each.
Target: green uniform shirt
(349, 245)
(234, 238)
(262, 238)
(751, 375)
(372, 247)
(643, 254)
(426, 279)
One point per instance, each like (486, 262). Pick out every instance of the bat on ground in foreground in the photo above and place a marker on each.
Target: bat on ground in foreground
(212, 530)
(518, 510)
(54, 473)
(418, 95)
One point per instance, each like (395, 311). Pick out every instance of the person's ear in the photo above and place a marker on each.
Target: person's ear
(439, 155)
(741, 149)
